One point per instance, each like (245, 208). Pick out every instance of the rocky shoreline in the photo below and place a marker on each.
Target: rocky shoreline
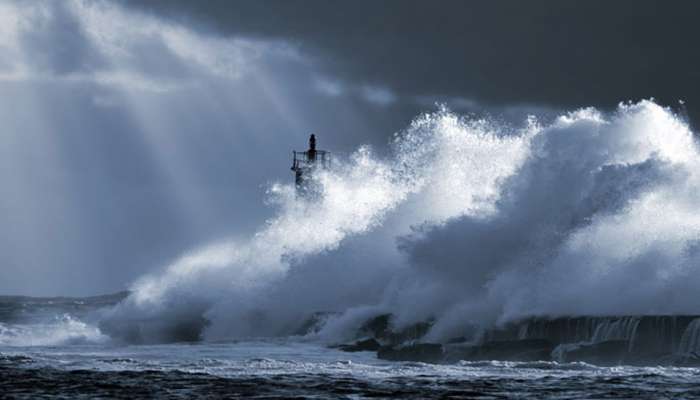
(614, 340)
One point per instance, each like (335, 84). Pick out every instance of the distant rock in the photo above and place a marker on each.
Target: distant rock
(458, 339)
(377, 327)
(423, 352)
(361, 345)
(378, 332)
(155, 330)
(314, 323)
(380, 328)
(600, 340)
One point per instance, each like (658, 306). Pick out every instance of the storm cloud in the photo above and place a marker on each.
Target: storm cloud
(560, 54)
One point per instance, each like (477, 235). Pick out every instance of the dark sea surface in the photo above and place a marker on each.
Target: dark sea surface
(53, 348)
(287, 368)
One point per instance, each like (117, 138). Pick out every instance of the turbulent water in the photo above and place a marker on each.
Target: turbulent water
(287, 369)
(68, 357)
(468, 223)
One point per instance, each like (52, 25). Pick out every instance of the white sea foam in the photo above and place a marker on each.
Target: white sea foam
(60, 330)
(468, 222)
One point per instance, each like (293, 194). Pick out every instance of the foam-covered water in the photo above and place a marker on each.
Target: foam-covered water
(57, 365)
(284, 368)
(48, 348)
(64, 329)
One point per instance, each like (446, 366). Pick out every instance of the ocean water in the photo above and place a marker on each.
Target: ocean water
(287, 368)
(54, 348)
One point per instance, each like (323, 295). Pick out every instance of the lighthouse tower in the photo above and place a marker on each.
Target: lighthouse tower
(304, 164)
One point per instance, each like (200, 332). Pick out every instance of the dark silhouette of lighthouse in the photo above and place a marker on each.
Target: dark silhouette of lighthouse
(305, 163)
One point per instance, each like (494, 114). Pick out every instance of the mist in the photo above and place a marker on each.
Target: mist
(468, 223)
(128, 138)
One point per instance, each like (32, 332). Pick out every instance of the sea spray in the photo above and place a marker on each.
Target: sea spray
(468, 222)
(355, 198)
(596, 221)
(59, 330)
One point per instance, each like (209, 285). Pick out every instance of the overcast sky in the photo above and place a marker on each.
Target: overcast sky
(133, 131)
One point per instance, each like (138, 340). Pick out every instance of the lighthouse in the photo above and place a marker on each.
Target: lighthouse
(304, 163)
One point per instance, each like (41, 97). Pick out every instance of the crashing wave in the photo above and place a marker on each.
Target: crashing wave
(62, 330)
(468, 223)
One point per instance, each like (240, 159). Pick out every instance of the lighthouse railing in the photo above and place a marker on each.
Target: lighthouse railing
(302, 159)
